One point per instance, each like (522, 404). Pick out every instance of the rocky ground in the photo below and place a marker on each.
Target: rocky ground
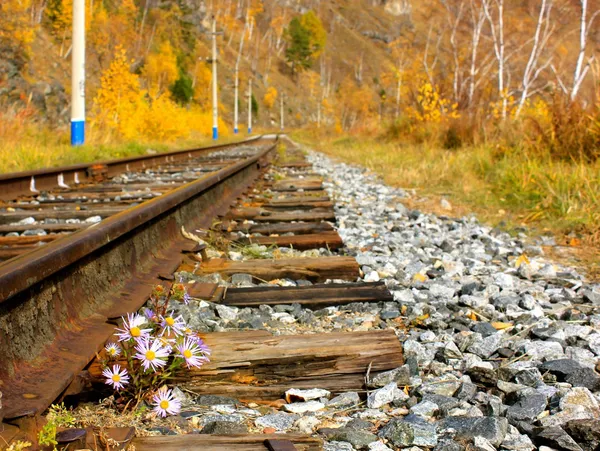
(501, 345)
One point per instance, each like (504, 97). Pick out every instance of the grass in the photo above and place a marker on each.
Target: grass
(43, 149)
(502, 187)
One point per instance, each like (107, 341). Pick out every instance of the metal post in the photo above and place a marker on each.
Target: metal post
(215, 106)
(78, 74)
(281, 110)
(250, 106)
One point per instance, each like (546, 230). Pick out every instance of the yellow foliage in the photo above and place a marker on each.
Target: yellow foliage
(123, 108)
(60, 15)
(160, 69)
(119, 103)
(16, 28)
(270, 97)
(432, 107)
(203, 80)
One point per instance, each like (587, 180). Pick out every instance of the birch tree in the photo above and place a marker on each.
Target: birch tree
(533, 69)
(582, 65)
(496, 24)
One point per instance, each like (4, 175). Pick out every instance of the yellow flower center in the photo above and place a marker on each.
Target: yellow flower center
(164, 404)
(170, 321)
(112, 351)
(116, 378)
(135, 331)
(150, 355)
(187, 353)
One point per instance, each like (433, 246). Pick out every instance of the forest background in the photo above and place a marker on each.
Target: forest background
(492, 103)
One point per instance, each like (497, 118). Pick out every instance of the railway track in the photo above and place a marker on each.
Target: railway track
(87, 246)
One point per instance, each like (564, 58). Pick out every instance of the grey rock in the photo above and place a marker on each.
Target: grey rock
(584, 377)
(410, 431)
(515, 441)
(425, 409)
(585, 432)
(492, 429)
(528, 407)
(344, 401)
(337, 446)
(280, 421)
(227, 313)
(561, 368)
(224, 428)
(401, 376)
(357, 423)
(215, 400)
(357, 438)
(557, 438)
(486, 347)
(385, 395)
(244, 280)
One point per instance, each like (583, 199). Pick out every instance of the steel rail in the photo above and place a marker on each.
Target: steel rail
(17, 184)
(56, 302)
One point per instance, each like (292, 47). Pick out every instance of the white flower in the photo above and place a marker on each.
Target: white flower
(166, 403)
(116, 377)
(132, 327)
(191, 352)
(153, 355)
(113, 350)
(170, 324)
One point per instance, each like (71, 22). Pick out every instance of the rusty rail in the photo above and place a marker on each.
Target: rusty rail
(16, 184)
(56, 302)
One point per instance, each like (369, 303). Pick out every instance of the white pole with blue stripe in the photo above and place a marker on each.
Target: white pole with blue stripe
(215, 107)
(78, 75)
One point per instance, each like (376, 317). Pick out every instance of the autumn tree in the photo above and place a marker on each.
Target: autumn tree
(161, 69)
(16, 31)
(270, 97)
(119, 100)
(306, 39)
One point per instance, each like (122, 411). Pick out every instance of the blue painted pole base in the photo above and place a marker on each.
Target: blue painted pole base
(77, 133)
(215, 133)
(235, 130)
(249, 130)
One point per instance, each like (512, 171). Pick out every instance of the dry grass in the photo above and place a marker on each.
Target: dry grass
(502, 187)
(31, 148)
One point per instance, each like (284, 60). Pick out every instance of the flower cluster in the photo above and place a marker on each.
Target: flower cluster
(150, 348)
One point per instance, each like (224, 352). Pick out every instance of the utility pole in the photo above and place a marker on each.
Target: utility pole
(281, 110)
(215, 100)
(78, 75)
(250, 106)
(237, 80)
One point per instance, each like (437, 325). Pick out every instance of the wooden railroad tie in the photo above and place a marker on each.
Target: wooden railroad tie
(314, 296)
(313, 269)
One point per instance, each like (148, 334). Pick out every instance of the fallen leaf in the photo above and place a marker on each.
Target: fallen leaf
(522, 259)
(498, 325)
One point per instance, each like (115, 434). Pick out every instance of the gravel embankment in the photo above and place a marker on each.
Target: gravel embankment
(500, 349)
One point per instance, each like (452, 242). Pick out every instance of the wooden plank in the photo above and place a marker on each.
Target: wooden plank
(208, 442)
(14, 216)
(258, 215)
(297, 205)
(316, 296)
(29, 239)
(48, 227)
(202, 290)
(305, 184)
(261, 367)
(331, 240)
(313, 269)
(279, 228)
(295, 164)
(287, 199)
(280, 445)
